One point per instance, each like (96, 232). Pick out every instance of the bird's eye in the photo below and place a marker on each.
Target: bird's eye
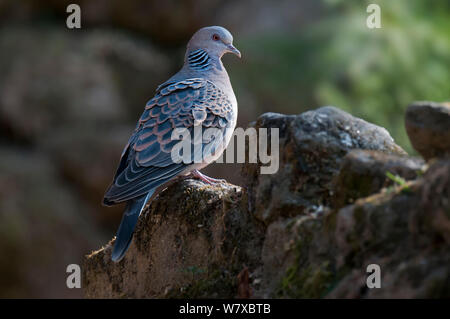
(215, 37)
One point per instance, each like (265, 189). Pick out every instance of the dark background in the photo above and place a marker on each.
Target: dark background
(69, 99)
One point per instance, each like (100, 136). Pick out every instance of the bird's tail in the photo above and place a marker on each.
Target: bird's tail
(129, 219)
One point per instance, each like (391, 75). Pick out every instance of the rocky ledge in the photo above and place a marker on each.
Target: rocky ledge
(345, 196)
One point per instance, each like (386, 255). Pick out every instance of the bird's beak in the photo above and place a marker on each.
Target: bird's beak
(233, 50)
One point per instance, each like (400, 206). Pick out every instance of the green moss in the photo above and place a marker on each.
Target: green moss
(192, 211)
(216, 216)
(399, 181)
(396, 179)
(306, 282)
(303, 279)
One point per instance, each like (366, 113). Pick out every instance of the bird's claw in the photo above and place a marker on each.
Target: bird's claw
(209, 180)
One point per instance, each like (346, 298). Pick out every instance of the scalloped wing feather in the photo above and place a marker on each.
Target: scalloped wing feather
(146, 161)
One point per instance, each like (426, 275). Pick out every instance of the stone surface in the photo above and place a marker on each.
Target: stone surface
(363, 173)
(192, 241)
(428, 128)
(405, 231)
(201, 241)
(312, 146)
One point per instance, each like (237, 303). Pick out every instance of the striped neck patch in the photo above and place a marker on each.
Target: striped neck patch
(199, 60)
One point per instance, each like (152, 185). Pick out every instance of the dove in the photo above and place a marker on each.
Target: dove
(200, 95)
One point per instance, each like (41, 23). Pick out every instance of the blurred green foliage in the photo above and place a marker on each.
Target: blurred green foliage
(372, 73)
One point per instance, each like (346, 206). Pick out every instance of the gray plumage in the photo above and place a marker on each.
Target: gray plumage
(200, 94)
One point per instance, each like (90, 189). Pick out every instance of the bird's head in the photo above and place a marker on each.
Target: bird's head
(215, 40)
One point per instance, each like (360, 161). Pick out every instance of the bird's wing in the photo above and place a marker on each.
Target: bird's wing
(146, 161)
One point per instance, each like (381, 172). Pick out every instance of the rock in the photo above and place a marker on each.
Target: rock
(428, 128)
(312, 147)
(405, 231)
(196, 240)
(286, 249)
(364, 173)
(192, 241)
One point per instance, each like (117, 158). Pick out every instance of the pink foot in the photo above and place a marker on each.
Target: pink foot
(209, 180)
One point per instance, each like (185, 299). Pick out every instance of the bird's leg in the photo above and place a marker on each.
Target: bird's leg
(209, 180)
